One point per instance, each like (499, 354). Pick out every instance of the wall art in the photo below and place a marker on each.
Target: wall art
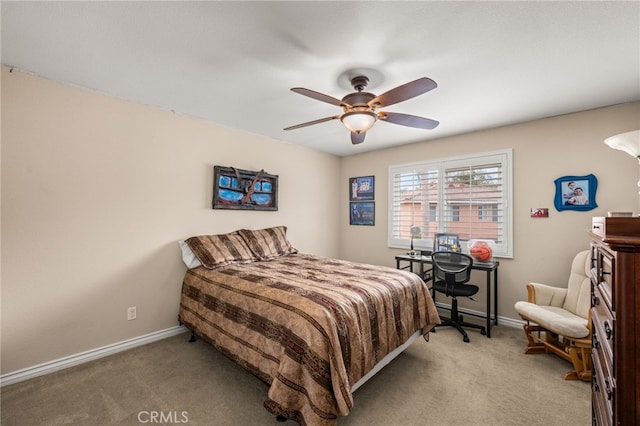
(237, 189)
(362, 188)
(539, 212)
(362, 213)
(576, 193)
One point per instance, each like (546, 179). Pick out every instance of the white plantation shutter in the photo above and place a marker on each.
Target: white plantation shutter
(414, 198)
(466, 195)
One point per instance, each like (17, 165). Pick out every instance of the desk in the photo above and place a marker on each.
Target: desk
(488, 267)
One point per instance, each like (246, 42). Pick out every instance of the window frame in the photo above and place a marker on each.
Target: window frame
(504, 157)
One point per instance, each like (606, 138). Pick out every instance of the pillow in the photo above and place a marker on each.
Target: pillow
(268, 243)
(218, 250)
(188, 257)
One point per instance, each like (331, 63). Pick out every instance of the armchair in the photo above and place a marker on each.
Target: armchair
(558, 320)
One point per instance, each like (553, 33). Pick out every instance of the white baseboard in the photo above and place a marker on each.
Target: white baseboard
(509, 322)
(93, 354)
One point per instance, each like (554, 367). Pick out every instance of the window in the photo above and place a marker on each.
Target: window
(468, 195)
(433, 213)
(483, 211)
(455, 213)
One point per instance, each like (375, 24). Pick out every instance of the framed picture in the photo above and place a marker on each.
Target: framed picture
(362, 213)
(539, 212)
(576, 193)
(446, 241)
(362, 188)
(238, 189)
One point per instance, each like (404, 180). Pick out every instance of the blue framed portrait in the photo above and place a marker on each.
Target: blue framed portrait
(576, 193)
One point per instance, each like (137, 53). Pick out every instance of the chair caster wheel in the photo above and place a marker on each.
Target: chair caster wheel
(465, 339)
(483, 331)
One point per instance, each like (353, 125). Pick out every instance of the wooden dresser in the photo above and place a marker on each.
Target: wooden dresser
(615, 316)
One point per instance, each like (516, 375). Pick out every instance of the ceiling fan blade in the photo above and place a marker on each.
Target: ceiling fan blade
(318, 96)
(310, 123)
(408, 120)
(357, 138)
(404, 92)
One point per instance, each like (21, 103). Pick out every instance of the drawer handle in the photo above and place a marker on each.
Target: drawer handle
(608, 330)
(596, 342)
(608, 389)
(595, 301)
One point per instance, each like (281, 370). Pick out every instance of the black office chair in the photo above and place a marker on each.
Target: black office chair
(452, 270)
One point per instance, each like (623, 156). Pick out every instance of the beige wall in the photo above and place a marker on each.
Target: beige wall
(543, 150)
(96, 192)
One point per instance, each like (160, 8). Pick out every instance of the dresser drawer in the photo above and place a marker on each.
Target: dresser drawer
(603, 329)
(605, 277)
(603, 389)
(598, 408)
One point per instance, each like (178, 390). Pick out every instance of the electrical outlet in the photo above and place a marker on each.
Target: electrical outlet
(131, 313)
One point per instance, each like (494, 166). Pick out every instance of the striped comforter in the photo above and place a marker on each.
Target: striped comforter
(308, 326)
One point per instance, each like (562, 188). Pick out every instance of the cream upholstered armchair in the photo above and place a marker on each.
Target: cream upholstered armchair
(558, 320)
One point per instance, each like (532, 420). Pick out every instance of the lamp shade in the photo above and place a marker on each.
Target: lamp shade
(358, 121)
(628, 142)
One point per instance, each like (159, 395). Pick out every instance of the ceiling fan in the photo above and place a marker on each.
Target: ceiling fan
(360, 108)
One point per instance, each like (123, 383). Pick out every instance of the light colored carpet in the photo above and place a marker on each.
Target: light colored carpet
(441, 382)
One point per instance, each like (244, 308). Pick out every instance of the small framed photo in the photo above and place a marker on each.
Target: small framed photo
(539, 212)
(362, 188)
(446, 242)
(362, 213)
(576, 193)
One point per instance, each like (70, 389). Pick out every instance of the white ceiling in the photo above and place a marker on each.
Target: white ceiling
(233, 63)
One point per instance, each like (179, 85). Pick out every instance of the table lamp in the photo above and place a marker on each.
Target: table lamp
(628, 142)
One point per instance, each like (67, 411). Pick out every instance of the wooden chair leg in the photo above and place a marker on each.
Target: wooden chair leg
(581, 360)
(578, 351)
(533, 342)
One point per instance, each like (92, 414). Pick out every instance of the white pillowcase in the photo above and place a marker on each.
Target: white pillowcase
(188, 257)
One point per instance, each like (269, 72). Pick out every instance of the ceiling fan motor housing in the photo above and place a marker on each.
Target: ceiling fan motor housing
(358, 100)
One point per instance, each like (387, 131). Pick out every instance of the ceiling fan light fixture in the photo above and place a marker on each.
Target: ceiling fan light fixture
(358, 121)
(360, 108)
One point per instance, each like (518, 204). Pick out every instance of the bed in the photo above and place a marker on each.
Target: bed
(311, 327)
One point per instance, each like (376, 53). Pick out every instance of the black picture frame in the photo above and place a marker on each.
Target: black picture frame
(238, 189)
(362, 213)
(446, 241)
(362, 188)
(576, 193)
